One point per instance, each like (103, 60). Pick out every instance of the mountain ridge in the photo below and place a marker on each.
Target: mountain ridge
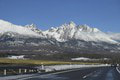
(66, 38)
(62, 33)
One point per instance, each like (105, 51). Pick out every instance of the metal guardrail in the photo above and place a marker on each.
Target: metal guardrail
(14, 70)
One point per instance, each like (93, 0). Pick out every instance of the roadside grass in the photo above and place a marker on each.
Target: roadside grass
(38, 62)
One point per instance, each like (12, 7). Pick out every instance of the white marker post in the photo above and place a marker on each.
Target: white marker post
(25, 70)
(5, 72)
(42, 66)
(19, 71)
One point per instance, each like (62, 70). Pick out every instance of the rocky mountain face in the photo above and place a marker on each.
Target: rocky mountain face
(68, 38)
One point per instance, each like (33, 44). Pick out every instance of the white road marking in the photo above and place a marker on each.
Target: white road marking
(89, 74)
(118, 70)
(84, 76)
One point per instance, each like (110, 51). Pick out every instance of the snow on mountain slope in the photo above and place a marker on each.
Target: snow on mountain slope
(63, 33)
(9, 27)
(34, 28)
(115, 36)
(83, 32)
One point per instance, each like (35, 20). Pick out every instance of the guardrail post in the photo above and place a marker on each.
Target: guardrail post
(42, 66)
(5, 72)
(25, 70)
(19, 71)
(37, 70)
(70, 65)
(31, 70)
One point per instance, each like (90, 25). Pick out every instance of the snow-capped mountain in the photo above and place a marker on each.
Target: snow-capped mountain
(9, 27)
(79, 32)
(34, 29)
(62, 33)
(67, 37)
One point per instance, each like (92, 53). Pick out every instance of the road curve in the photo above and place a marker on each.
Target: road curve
(102, 73)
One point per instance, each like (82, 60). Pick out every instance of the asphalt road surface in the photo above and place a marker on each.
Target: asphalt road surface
(103, 73)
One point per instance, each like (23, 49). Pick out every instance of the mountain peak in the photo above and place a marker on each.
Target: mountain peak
(86, 28)
(68, 25)
(71, 23)
(6, 26)
(31, 26)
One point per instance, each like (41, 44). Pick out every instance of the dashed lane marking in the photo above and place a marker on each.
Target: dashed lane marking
(89, 74)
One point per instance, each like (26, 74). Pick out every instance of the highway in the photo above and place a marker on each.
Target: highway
(102, 73)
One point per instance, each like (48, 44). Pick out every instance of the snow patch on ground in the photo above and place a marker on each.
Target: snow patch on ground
(87, 59)
(66, 67)
(16, 57)
(81, 58)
